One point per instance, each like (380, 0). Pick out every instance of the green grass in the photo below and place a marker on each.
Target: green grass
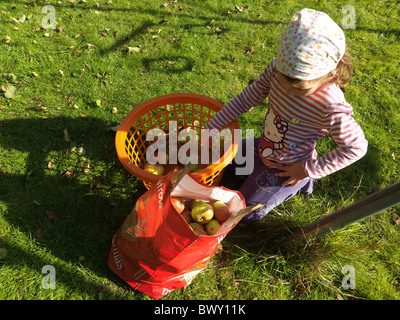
(199, 47)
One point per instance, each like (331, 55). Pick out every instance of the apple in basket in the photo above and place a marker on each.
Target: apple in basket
(193, 168)
(202, 212)
(212, 227)
(156, 169)
(178, 204)
(221, 211)
(198, 228)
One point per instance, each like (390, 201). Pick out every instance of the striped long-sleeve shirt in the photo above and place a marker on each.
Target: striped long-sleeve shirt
(294, 124)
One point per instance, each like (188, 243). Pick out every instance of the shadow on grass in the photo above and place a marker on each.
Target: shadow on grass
(64, 207)
(161, 14)
(169, 64)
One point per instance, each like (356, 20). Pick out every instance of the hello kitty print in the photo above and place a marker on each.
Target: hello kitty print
(273, 134)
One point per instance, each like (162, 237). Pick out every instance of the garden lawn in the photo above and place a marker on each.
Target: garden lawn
(63, 192)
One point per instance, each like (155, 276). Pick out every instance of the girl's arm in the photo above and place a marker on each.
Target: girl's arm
(251, 96)
(351, 142)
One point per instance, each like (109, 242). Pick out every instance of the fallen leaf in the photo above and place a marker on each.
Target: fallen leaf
(114, 202)
(66, 135)
(21, 19)
(60, 29)
(98, 103)
(50, 215)
(35, 73)
(396, 218)
(114, 110)
(81, 151)
(68, 174)
(61, 72)
(38, 232)
(249, 52)
(10, 92)
(89, 45)
(49, 165)
(3, 253)
(133, 49)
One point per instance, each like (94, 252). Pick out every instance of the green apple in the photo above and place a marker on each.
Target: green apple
(202, 212)
(194, 203)
(156, 169)
(221, 211)
(198, 228)
(193, 167)
(212, 227)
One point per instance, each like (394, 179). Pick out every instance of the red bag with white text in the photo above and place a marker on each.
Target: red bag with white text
(155, 251)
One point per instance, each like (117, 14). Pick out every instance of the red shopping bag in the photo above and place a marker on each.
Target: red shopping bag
(155, 251)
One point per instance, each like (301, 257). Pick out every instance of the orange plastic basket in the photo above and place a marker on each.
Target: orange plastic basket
(188, 110)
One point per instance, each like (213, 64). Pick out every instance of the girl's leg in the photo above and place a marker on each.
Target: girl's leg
(263, 186)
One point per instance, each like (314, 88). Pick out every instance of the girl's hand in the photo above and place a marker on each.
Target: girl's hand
(295, 171)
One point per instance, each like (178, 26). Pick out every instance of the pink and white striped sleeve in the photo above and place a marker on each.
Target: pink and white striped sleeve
(351, 142)
(251, 96)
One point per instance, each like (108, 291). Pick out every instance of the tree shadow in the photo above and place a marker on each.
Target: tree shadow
(66, 200)
(170, 64)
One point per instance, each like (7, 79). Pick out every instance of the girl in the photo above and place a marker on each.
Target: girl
(303, 85)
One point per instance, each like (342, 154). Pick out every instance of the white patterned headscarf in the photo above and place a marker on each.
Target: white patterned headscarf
(311, 46)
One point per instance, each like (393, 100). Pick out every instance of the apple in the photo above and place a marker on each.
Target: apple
(194, 203)
(156, 169)
(212, 227)
(186, 214)
(197, 228)
(193, 167)
(221, 211)
(178, 204)
(202, 212)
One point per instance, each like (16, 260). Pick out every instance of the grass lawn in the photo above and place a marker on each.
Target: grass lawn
(64, 193)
